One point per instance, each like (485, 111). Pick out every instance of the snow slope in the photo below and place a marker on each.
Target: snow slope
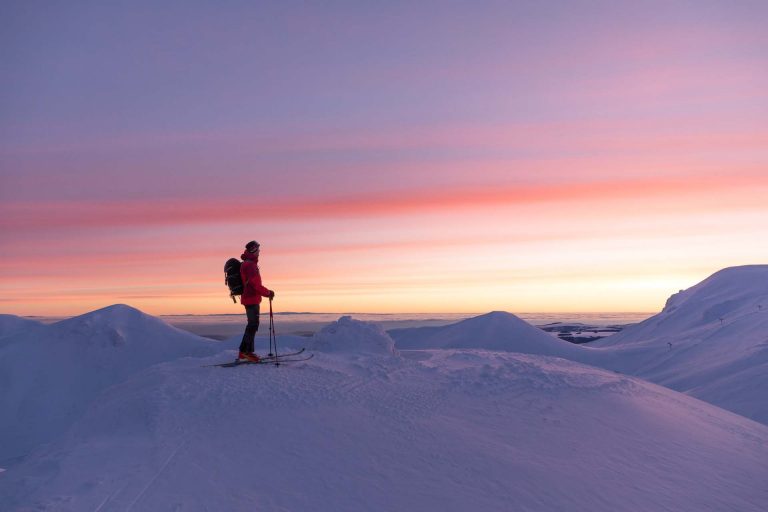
(710, 341)
(11, 325)
(451, 430)
(497, 330)
(731, 295)
(50, 374)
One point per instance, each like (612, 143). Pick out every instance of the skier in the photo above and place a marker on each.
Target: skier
(253, 291)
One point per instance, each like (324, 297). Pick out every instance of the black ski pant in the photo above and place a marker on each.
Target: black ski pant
(252, 312)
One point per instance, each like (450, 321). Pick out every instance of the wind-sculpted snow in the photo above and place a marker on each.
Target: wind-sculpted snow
(50, 374)
(347, 335)
(455, 430)
(522, 372)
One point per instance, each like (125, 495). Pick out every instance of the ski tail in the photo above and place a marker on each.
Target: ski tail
(281, 356)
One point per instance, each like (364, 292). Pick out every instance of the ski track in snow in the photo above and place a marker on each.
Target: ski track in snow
(156, 476)
(109, 498)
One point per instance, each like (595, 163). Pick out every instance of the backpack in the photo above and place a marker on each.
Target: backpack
(232, 278)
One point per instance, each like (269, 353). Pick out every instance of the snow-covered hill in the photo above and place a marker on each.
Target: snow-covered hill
(710, 341)
(12, 324)
(368, 429)
(497, 330)
(460, 431)
(731, 295)
(50, 374)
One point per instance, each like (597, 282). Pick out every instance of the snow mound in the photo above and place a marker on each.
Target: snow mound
(51, 374)
(462, 430)
(119, 317)
(11, 324)
(497, 330)
(347, 335)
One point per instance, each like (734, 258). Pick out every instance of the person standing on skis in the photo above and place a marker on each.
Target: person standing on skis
(253, 291)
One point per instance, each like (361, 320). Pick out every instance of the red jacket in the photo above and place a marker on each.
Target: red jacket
(253, 290)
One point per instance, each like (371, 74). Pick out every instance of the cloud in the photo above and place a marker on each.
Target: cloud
(25, 217)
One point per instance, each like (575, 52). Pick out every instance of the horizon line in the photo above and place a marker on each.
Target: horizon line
(365, 313)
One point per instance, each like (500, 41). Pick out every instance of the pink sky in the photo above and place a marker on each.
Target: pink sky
(392, 158)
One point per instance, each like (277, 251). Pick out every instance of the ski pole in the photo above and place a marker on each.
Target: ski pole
(271, 327)
(272, 333)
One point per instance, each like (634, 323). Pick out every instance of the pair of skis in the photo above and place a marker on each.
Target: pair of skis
(290, 357)
(273, 357)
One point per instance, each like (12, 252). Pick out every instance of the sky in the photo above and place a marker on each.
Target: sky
(451, 156)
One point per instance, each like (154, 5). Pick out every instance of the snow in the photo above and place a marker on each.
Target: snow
(347, 335)
(115, 410)
(50, 374)
(497, 330)
(710, 341)
(12, 324)
(459, 430)
(726, 297)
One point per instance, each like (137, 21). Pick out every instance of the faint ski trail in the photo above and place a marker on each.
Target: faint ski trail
(109, 498)
(154, 478)
(358, 387)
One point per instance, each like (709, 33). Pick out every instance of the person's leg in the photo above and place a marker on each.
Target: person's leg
(252, 313)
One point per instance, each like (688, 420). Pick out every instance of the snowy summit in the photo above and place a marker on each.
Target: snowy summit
(729, 296)
(710, 341)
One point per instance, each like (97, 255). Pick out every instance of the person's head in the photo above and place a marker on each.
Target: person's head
(252, 247)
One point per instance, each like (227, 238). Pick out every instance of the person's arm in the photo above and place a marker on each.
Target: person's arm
(260, 288)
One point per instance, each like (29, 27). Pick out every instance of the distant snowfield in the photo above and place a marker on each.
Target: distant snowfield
(368, 424)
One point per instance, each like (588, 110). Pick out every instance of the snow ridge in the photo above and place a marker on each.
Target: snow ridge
(724, 297)
(710, 341)
(12, 324)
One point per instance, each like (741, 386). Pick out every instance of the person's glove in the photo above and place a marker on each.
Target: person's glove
(271, 294)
